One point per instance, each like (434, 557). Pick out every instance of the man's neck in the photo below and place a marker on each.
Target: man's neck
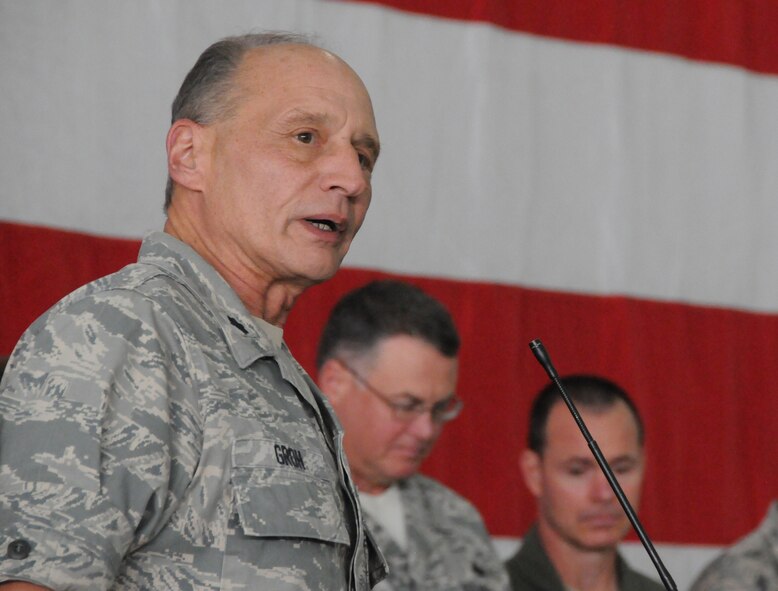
(368, 486)
(580, 569)
(271, 301)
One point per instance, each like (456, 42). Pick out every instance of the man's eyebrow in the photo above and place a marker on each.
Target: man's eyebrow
(301, 117)
(579, 460)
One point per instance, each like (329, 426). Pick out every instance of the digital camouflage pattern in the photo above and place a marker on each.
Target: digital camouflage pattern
(749, 565)
(152, 437)
(448, 545)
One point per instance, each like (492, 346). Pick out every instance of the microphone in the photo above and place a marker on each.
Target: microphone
(543, 358)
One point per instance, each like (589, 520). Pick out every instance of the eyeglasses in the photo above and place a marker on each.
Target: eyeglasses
(410, 407)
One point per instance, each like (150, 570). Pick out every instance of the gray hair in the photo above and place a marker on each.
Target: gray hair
(206, 94)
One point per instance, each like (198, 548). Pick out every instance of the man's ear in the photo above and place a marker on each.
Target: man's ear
(530, 464)
(334, 381)
(185, 157)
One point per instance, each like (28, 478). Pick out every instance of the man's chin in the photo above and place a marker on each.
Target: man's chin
(405, 469)
(588, 539)
(599, 541)
(324, 270)
(309, 277)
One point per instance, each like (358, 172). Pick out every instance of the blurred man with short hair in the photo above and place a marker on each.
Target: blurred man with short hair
(580, 522)
(388, 365)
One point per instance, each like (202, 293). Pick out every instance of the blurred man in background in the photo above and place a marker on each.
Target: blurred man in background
(388, 364)
(580, 522)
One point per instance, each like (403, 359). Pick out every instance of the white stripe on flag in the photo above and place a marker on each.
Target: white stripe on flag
(507, 157)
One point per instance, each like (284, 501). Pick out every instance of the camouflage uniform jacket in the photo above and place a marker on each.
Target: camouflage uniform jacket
(448, 545)
(749, 565)
(530, 569)
(152, 437)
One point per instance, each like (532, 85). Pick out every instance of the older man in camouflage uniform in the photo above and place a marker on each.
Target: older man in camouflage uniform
(749, 565)
(388, 363)
(156, 432)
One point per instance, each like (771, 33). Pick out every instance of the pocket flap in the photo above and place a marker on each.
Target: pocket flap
(282, 491)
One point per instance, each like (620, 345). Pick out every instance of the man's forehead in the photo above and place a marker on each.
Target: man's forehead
(616, 412)
(285, 70)
(287, 60)
(614, 422)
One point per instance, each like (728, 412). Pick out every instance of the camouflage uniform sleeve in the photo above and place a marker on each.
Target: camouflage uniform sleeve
(98, 435)
(738, 573)
(450, 544)
(751, 564)
(489, 569)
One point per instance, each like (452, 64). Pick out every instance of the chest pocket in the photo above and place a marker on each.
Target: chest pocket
(287, 492)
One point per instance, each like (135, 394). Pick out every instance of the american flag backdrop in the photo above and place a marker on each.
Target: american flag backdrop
(601, 175)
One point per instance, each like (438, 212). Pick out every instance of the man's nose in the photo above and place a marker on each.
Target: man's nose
(343, 171)
(600, 489)
(424, 426)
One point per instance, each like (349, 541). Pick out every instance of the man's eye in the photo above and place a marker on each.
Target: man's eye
(576, 470)
(365, 162)
(408, 405)
(623, 468)
(306, 137)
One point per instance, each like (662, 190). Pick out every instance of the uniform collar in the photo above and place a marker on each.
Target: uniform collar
(535, 565)
(246, 340)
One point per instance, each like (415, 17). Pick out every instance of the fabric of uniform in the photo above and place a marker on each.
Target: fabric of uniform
(153, 437)
(531, 570)
(448, 547)
(749, 565)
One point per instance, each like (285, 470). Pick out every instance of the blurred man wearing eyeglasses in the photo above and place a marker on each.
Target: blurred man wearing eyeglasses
(387, 362)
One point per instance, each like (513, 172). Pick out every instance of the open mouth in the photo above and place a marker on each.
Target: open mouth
(324, 225)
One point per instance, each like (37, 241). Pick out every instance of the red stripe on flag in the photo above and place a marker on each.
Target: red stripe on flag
(702, 377)
(40, 265)
(725, 31)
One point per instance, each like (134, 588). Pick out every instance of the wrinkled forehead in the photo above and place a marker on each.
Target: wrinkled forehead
(277, 69)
